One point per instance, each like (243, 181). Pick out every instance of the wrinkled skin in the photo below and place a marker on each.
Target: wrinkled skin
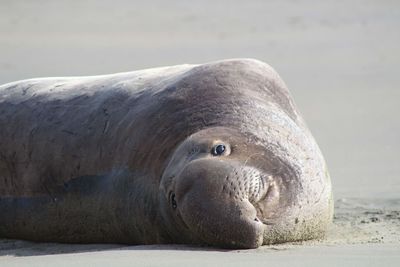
(131, 158)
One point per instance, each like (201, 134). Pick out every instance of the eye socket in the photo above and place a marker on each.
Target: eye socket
(218, 150)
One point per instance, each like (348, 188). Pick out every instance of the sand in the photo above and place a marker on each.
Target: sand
(339, 59)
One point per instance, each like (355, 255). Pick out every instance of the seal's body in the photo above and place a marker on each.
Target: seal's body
(211, 154)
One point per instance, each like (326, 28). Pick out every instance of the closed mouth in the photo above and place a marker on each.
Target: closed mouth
(266, 205)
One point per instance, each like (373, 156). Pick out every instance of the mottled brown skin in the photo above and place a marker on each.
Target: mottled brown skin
(128, 158)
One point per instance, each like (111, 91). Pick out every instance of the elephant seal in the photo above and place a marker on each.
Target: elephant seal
(213, 154)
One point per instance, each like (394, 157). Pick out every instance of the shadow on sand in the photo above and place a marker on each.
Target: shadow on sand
(20, 248)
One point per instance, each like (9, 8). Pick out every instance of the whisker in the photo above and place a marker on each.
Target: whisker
(248, 158)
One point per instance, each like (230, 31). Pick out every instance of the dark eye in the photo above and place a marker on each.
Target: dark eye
(218, 150)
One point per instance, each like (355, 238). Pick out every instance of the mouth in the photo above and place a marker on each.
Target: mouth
(266, 204)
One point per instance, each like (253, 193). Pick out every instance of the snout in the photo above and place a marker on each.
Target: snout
(221, 221)
(216, 209)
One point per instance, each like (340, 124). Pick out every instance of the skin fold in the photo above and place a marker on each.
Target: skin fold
(214, 154)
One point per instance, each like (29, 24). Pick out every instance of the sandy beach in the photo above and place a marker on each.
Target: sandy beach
(339, 60)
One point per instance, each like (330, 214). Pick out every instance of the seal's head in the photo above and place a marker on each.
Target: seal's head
(220, 188)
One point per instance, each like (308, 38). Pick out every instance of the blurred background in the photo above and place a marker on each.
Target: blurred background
(340, 59)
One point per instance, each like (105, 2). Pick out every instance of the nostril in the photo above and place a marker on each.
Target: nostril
(256, 219)
(173, 201)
